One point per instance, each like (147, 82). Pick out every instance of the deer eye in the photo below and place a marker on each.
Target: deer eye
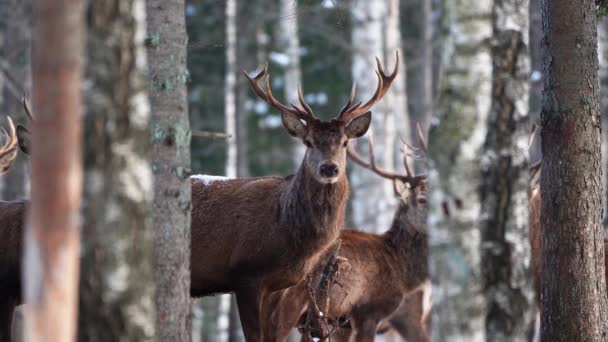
(307, 143)
(345, 143)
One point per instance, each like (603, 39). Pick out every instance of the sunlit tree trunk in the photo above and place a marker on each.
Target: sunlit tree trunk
(505, 249)
(603, 74)
(573, 300)
(167, 42)
(15, 63)
(455, 145)
(117, 282)
(375, 33)
(52, 243)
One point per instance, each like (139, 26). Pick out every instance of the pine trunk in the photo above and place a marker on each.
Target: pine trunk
(504, 190)
(52, 238)
(117, 282)
(573, 300)
(167, 42)
(455, 145)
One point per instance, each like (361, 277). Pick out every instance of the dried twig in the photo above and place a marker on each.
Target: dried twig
(211, 135)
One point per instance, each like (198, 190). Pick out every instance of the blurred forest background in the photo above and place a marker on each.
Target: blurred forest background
(449, 50)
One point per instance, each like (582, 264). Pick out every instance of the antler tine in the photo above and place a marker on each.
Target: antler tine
(303, 103)
(384, 83)
(26, 107)
(422, 140)
(532, 134)
(348, 104)
(8, 152)
(267, 96)
(371, 165)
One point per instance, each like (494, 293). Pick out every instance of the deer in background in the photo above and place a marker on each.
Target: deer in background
(12, 216)
(259, 235)
(385, 269)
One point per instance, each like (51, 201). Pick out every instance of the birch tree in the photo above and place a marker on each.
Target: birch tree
(375, 33)
(573, 299)
(505, 248)
(167, 42)
(52, 238)
(117, 282)
(455, 144)
(289, 44)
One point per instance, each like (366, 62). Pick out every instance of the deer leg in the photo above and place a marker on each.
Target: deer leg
(250, 310)
(365, 330)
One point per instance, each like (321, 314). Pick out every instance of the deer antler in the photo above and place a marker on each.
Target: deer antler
(305, 112)
(8, 152)
(409, 177)
(350, 111)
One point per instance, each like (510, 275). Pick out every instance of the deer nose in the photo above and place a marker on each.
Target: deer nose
(328, 170)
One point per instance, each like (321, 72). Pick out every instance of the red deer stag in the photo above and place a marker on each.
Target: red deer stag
(258, 235)
(12, 215)
(385, 268)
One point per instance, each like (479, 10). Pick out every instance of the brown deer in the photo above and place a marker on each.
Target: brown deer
(12, 215)
(385, 268)
(258, 235)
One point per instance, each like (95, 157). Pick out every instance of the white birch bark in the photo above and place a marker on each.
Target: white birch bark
(454, 228)
(230, 88)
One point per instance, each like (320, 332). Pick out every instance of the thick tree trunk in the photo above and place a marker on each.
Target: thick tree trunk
(573, 299)
(15, 63)
(603, 74)
(373, 198)
(289, 44)
(171, 158)
(454, 182)
(504, 190)
(117, 282)
(52, 243)
(230, 87)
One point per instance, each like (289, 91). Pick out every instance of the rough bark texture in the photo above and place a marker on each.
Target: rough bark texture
(504, 190)
(15, 80)
(117, 282)
(289, 43)
(573, 300)
(603, 74)
(167, 42)
(52, 243)
(375, 33)
(455, 143)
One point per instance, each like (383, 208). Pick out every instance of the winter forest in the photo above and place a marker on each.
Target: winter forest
(303, 170)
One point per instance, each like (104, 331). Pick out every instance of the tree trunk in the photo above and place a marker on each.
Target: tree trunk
(535, 32)
(573, 299)
(422, 89)
(52, 243)
(504, 190)
(117, 282)
(15, 64)
(603, 74)
(171, 157)
(455, 144)
(373, 198)
(230, 87)
(289, 44)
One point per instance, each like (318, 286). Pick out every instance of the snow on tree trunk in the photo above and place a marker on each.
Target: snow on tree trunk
(52, 238)
(171, 159)
(117, 283)
(15, 50)
(455, 144)
(505, 244)
(373, 34)
(573, 299)
(289, 44)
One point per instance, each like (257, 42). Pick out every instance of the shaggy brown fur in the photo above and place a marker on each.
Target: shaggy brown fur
(385, 269)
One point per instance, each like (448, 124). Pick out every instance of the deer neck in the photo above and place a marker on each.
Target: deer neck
(410, 247)
(312, 211)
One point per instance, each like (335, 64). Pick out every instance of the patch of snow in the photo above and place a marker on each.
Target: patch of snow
(328, 4)
(271, 121)
(536, 76)
(279, 58)
(208, 179)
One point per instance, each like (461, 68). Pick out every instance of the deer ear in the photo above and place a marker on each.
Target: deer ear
(293, 125)
(399, 186)
(358, 126)
(24, 138)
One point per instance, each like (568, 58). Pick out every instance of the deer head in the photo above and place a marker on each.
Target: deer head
(326, 141)
(410, 188)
